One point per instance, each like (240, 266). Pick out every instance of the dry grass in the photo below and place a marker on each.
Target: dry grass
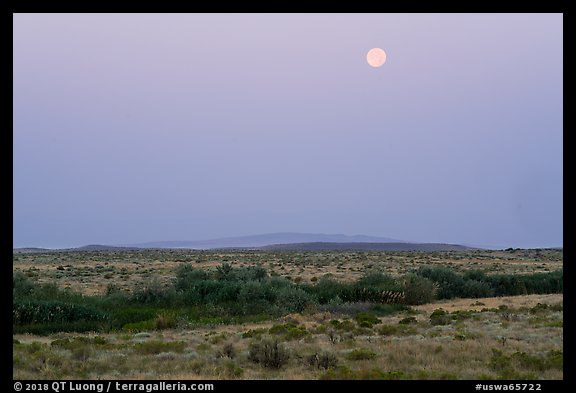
(423, 351)
(491, 302)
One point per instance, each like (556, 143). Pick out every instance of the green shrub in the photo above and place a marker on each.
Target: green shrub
(477, 275)
(22, 286)
(282, 328)
(552, 282)
(552, 360)
(555, 359)
(346, 325)
(289, 331)
(361, 354)
(440, 317)
(153, 292)
(256, 296)
(366, 319)
(121, 316)
(43, 329)
(408, 321)
(251, 273)
(187, 277)
(44, 312)
(450, 284)
(326, 289)
(460, 315)
(475, 288)
(292, 299)
(499, 361)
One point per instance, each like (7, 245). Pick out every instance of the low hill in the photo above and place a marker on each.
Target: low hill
(266, 240)
(102, 247)
(321, 246)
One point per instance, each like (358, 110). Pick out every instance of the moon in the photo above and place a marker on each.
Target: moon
(376, 57)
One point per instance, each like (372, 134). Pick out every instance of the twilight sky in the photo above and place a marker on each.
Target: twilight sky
(141, 127)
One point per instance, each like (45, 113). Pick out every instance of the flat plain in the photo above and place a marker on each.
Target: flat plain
(495, 337)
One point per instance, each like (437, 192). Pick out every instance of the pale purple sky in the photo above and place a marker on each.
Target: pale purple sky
(140, 127)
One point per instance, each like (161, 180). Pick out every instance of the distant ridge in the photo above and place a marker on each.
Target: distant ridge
(102, 247)
(30, 250)
(266, 240)
(282, 241)
(90, 247)
(319, 246)
(311, 246)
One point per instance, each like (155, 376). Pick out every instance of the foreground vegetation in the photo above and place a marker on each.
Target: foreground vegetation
(521, 338)
(230, 320)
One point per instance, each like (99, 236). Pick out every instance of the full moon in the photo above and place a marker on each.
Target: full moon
(376, 57)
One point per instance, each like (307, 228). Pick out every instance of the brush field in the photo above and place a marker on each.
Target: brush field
(181, 314)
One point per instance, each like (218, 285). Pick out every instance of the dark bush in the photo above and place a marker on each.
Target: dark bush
(121, 316)
(418, 290)
(327, 289)
(187, 277)
(21, 285)
(552, 282)
(378, 280)
(257, 297)
(477, 275)
(475, 288)
(223, 292)
(450, 283)
(440, 317)
(154, 293)
(408, 321)
(293, 299)
(361, 354)
(506, 284)
(323, 360)
(42, 329)
(269, 354)
(366, 319)
(346, 325)
(251, 273)
(289, 331)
